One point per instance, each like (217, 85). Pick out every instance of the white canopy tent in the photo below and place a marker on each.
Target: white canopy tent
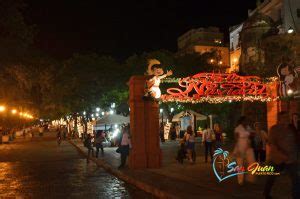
(113, 119)
(109, 120)
(177, 117)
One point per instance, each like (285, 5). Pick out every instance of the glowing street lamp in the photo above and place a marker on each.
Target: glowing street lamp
(111, 112)
(162, 115)
(113, 105)
(290, 91)
(97, 109)
(172, 109)
(97, 114)
(2, 108)
(84, 113)
(290, 30)
(102, 113)
(14, 111)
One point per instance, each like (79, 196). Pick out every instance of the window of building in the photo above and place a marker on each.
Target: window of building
(298, 12)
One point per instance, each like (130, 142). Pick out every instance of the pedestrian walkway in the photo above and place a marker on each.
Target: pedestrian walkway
(39, 168)
(174, 180)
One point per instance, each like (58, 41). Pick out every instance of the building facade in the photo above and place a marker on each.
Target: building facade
(204, 40)
(283, 15)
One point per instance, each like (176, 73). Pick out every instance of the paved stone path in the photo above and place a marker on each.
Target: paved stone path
(189, 181)
(39, 168)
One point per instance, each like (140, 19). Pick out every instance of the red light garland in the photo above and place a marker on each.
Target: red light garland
(218, 88)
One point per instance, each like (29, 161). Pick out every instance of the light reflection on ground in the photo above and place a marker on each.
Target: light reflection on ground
(41, 169)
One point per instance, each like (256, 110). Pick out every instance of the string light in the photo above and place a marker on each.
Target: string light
(218, 100)
(219, 88)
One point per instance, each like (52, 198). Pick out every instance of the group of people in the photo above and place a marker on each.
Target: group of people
(97, 141)
(123, 142)
(283, 142)
(211, 138)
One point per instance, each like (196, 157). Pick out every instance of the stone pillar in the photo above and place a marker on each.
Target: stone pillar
(272, 110)
(272, 107)
(144, 127)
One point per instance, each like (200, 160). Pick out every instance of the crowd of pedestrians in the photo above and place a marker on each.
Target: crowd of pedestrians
(251, 143)
(96, 140)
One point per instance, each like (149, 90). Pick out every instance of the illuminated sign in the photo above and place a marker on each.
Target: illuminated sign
(218, 88)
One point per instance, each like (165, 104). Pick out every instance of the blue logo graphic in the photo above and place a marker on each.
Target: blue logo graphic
(222, 166)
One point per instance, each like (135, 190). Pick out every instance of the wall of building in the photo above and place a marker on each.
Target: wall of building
(235, 59)
(291, 15)
(235, 37)
(285, 11)
(201, 36)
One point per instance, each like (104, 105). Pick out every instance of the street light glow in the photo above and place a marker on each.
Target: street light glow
(172, 109)
(290, 30)
(97, 109)
(111, 112)
(84, 112)
(102, 113)
(2, 108)
(290, 91)
(161, 110)
(97, 114)
(14, 111)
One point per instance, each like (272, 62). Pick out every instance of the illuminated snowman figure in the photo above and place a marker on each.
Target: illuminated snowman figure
(152, 85)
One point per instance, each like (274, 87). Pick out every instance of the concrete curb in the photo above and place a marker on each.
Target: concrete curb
(127, 178)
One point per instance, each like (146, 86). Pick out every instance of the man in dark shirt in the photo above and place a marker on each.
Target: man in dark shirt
(283, 154)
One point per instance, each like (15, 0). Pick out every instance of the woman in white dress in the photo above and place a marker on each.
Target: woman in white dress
(243, 150)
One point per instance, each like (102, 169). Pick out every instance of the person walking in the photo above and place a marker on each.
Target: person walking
(89, 145)
(207, 139)
(100, 136)
(296, 128)
(177, 128)
(190, 144)
(283, 154)
(64, 132)
(124, 146)
(260, 142)
(218, 136)
(243, 150)
(173, 132)
(162, 133)
(58, 137)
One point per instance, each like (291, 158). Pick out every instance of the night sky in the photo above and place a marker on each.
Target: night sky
(122, 28)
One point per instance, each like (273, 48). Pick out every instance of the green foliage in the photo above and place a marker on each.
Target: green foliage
(191, 64)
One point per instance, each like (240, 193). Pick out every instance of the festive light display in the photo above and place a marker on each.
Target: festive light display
(219, 88)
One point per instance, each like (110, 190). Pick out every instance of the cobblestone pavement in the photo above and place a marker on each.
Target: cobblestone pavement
(39, 168)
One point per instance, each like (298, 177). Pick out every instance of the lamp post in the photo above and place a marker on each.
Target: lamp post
(162, 115)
